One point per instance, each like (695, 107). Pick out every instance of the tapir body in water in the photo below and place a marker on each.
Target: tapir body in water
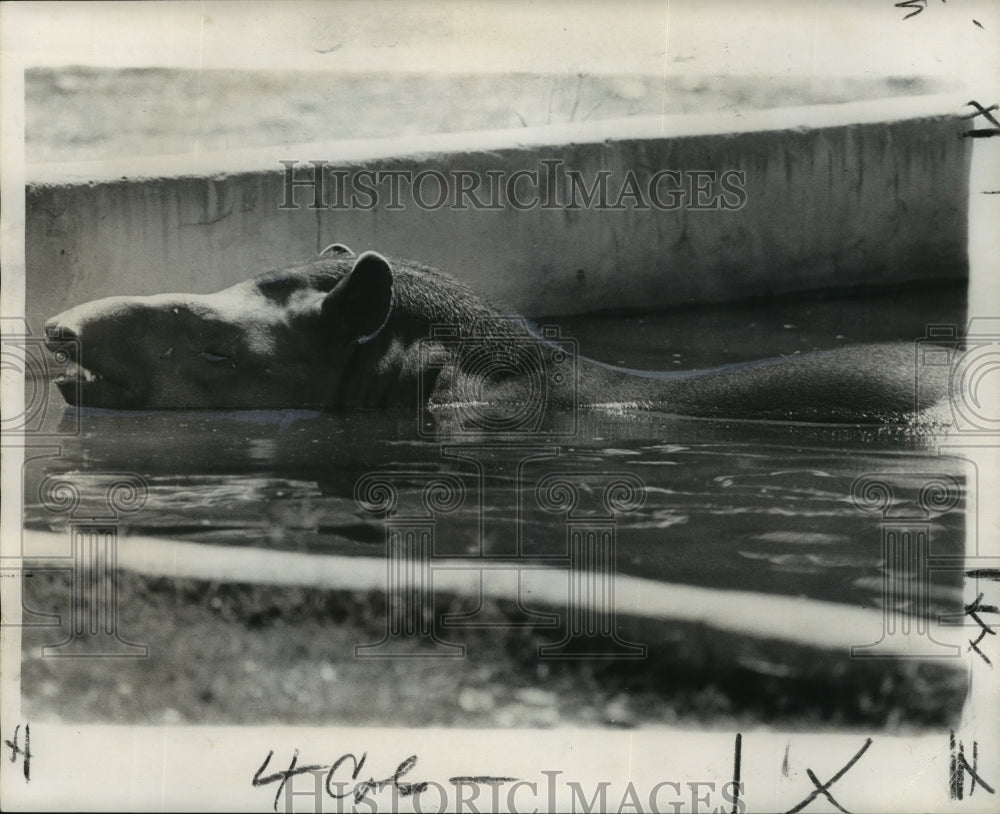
(368, 331)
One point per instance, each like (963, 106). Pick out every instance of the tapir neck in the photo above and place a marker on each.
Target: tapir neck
(403, 365)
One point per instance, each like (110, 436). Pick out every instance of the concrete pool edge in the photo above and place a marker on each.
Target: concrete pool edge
(836, 196)
(791, 620)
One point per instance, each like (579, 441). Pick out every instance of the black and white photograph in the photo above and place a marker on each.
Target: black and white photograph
(424, 405)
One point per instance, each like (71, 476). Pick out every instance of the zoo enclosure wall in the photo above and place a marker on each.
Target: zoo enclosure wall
(834, 197)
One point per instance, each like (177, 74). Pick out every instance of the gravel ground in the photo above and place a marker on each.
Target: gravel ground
(78, 113)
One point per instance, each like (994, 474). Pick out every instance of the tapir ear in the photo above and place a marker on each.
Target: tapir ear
(359, 306)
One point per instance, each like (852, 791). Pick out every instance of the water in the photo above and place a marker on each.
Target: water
(727, 505)
(754, 506)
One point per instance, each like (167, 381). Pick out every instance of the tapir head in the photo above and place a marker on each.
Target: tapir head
(276, 341)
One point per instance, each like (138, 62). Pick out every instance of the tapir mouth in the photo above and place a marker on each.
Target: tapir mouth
(77, 373)
(82, 386)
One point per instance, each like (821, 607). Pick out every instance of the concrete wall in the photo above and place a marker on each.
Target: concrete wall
(871, 193)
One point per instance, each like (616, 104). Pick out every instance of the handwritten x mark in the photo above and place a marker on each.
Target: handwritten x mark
(25, 753)
(823, 788)
(974, 609)
(982, 111)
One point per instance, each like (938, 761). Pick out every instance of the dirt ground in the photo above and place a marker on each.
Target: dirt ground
(77, 113)
(240, 654)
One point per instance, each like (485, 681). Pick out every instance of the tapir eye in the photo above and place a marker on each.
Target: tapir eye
(208, 356)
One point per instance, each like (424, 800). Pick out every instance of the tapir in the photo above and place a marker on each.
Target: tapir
(349, 331)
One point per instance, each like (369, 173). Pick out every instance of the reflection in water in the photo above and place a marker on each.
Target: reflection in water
(767, 510)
